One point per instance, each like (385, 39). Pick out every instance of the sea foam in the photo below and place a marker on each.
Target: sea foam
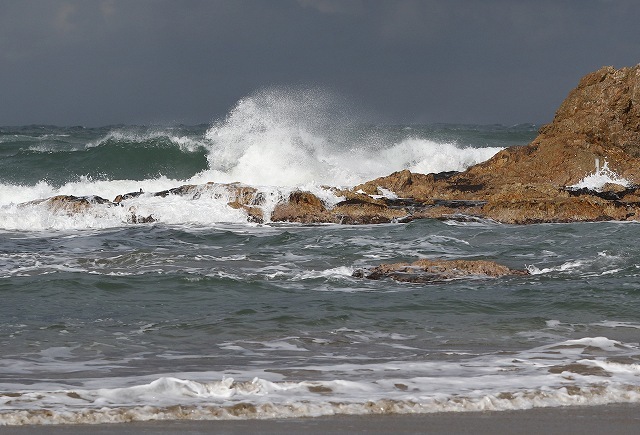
(561, 373)
(602, 175)
(291, 137)
(278, 140)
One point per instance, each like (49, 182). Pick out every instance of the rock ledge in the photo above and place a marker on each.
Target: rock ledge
(432, 271)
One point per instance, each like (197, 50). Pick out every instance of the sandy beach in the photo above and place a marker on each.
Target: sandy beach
(609, 419)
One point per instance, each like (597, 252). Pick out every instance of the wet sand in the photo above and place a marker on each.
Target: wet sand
(609, 419)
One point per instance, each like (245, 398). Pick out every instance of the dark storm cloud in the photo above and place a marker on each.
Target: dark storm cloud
(128, 61)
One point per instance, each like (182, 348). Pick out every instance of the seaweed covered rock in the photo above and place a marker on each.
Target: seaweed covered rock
(431, 271)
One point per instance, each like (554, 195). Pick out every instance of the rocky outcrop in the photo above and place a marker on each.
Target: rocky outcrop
(302, 207)
(432, 271)
(70, 204)
(599, 119)
(237, 195)
(357, 208)
(597, 126)
(598, 122)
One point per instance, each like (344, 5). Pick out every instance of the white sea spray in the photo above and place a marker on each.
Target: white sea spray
(290, 137)
(277, 140)
(600, 177)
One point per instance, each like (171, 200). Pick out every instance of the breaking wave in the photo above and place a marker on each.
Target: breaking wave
(569, 372)
(287, 138)
(276, 139)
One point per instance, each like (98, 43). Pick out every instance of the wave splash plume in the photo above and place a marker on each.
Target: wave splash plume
(282, 137)
(277, 139)
(601, 177)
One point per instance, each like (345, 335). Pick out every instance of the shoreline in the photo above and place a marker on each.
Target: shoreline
(611, 419)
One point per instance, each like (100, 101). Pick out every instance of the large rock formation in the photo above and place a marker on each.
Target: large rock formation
(598, 124)
(600, 119)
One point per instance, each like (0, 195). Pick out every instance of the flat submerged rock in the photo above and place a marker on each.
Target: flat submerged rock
(432, 271)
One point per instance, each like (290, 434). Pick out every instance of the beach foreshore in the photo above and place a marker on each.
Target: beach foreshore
(609, 419)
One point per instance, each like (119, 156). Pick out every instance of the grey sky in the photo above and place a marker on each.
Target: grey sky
(92, 62)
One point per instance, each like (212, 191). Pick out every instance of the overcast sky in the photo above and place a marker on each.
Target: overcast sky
(99, 62)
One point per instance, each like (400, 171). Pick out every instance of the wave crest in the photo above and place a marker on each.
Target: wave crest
(284, 137)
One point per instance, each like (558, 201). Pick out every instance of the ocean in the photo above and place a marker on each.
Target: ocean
(204, 314)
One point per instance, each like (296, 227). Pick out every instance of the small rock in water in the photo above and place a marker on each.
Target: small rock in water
(430, 271)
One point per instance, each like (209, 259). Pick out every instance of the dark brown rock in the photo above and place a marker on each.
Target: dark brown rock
(367, 213)
(302, 207)
(186, 189)
(72, 204)
(254, 214)
(429, 271)
(134, 218)
(118, 199)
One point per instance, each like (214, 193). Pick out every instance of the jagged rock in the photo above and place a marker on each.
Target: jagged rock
(598, 122)
(137, 219)
(429, 271)
(254, 213)
(118, 199)
(405, 184)
(609, 191)
(72, 204)
(240, 196)
(541, 210)
(303, 207)
(186, 189)
(368, 213)
(599, 119)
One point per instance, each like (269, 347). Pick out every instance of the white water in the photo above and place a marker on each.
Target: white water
(601, 176)
(569, 372)
(288, 138)
(276, 140)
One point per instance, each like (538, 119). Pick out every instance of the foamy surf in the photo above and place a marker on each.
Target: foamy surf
(570, 372)
(156, 322)
(276, 140)
(600, 263)
(210, 205)
(600, 177)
